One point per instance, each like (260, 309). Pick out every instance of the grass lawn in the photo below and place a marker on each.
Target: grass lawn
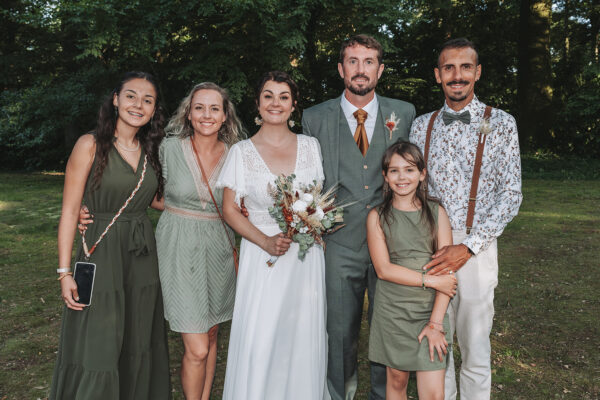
(545, 341)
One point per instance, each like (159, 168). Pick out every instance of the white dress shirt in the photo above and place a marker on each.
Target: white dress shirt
(450, 169)
(372, 108)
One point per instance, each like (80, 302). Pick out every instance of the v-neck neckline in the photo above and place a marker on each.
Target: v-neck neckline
(267, 165)
(197, 160)
(133, 170)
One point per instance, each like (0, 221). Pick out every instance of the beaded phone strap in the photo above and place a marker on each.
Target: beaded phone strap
(85, 247)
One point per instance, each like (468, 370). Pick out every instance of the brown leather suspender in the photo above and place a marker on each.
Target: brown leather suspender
(428, 137)
(476, 168)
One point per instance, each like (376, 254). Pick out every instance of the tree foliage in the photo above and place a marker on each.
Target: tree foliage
(58, 58)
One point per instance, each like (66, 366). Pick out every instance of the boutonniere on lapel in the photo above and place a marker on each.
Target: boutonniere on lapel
(485, 128)
(392, 123)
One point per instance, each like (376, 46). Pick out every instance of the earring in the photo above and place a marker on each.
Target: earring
(291, 123)
(258, 121)
(116, 110)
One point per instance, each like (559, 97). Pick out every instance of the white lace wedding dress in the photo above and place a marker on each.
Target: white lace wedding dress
(278, 341)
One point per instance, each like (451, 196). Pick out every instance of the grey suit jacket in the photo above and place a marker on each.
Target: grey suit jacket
(323, 122)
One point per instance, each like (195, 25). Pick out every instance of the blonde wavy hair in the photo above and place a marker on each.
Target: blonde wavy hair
(231, 131)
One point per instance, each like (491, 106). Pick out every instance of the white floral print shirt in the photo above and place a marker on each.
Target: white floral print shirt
(450, 167)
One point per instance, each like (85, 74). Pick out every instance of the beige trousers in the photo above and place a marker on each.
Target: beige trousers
(471, 315)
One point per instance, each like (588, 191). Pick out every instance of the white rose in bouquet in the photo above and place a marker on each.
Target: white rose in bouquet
(307, 198)
(319, 213)
(299, 206)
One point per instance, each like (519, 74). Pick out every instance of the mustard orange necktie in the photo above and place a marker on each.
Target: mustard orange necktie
(360, 135)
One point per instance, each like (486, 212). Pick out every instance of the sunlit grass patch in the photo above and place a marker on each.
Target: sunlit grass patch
(545, 334)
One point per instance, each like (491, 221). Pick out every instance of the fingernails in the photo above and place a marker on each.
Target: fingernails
(76, 298)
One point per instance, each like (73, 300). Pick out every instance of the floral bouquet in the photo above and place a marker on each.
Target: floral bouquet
(304, 213)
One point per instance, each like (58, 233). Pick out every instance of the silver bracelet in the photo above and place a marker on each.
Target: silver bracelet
(62, 270)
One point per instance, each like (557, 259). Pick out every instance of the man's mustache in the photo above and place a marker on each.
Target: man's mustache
(457, 83)
(360, 76)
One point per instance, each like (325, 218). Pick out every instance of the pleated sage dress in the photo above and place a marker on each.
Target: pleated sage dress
(117, 347)
(195, 258)
(401, 312)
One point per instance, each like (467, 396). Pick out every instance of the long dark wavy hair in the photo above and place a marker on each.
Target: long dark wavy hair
(413, 156)
(149, 135)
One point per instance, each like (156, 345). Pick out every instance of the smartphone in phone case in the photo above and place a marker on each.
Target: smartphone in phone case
(84, 276)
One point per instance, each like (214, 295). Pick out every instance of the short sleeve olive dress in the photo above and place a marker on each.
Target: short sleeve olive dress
(117, 347)
(401, 312)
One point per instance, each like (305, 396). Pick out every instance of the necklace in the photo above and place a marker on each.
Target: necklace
(128, 148)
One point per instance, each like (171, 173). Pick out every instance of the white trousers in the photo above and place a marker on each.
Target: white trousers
(471, 315)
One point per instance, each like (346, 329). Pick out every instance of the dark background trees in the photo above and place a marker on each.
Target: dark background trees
(58, 58)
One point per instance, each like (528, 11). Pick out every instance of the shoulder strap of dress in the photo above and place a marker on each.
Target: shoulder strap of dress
(476, 172)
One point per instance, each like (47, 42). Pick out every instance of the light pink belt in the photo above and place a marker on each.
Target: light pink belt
(194, 214)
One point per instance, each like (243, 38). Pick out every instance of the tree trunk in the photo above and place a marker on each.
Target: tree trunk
(534, 89)
(595, 32)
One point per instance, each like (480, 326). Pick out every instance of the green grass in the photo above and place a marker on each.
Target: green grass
(545, 338)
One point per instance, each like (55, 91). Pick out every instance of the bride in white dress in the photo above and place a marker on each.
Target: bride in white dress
(278, 341)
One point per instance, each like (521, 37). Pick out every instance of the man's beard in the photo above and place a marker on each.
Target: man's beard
(454, 98)
(457, 98)
(361, 91)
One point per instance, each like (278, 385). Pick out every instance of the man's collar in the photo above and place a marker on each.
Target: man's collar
(471, 107)
(349, 108)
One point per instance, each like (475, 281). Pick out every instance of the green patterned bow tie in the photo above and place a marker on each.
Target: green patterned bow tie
(464, 117)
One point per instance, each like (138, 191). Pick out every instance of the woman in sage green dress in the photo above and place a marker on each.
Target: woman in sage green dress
(195, 255)
(116, 347)
(409, 327)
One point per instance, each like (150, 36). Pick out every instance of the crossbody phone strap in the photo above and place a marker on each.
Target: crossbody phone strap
(233, 248)
(139, 184)
(476, 169)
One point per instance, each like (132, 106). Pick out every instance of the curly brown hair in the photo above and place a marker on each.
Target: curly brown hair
(149, 135)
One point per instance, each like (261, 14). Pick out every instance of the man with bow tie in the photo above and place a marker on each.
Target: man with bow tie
(474, 169)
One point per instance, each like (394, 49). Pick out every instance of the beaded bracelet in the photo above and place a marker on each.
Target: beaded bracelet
(423, 280)
(63, 270)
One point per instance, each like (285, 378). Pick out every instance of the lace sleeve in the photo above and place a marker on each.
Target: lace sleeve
(232, 174)
(316, 148)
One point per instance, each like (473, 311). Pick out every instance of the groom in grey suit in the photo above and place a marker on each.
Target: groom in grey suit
(354, 131)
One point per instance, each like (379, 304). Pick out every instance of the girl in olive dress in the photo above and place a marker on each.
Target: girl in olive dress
(115, 348)
(409, 326)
